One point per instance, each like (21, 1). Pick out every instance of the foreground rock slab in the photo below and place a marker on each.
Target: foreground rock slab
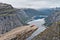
(20, 33)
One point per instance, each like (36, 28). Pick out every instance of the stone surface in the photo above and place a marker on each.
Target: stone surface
(19, 33)
(54, 17)
(11, 18)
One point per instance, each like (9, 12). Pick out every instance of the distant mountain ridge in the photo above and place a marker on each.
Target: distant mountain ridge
(54, 17)
(33, 12)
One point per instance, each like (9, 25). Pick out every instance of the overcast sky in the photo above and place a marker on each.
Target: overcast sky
(33, 3)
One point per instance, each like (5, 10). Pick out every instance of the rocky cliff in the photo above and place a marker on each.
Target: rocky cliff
(10, 18)
(54, 17)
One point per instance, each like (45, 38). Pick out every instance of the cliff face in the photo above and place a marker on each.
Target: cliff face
(54, 17)
(10, 18)
(22, 16)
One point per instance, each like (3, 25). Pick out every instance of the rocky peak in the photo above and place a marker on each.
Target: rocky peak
(5, 6)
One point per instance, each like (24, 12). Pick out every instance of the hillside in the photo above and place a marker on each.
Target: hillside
(54, 17)
(53, 27)
(10, 18)
(34, 12)
(51, 33)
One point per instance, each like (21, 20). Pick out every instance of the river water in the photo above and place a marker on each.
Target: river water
(38, 23)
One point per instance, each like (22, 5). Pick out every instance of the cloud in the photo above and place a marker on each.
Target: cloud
(33, 3)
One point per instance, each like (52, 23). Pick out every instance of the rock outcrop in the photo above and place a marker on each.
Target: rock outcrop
(11, 18)
(53, 17)
(19, 33)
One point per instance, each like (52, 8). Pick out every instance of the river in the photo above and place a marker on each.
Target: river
(38, 23)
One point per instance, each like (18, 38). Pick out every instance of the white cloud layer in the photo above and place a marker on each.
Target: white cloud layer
(33, 3)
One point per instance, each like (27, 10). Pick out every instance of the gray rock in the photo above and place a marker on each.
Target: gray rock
(11, 18)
